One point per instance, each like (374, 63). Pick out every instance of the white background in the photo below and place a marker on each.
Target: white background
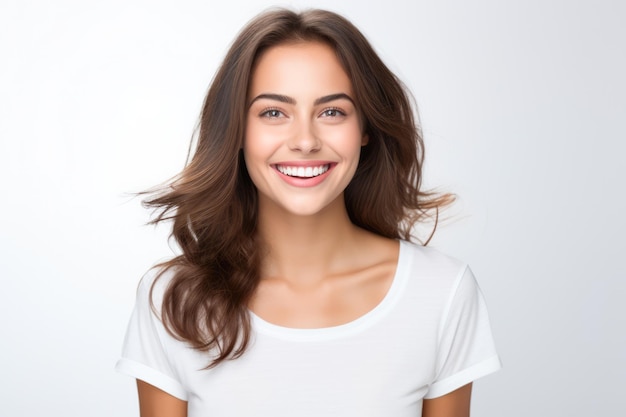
(523, 105)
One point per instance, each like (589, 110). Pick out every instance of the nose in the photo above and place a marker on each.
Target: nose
(303, 139)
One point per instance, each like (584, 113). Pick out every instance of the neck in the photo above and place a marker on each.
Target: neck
(306, 247)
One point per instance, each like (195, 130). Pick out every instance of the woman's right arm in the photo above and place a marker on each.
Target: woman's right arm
(154, 402)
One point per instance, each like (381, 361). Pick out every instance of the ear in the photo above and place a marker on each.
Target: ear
(365, 140)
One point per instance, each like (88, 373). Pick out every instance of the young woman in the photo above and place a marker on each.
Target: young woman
(297, 292)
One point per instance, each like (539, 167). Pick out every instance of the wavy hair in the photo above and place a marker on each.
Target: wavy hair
(213, 205)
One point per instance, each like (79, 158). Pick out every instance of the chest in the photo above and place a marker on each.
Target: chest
(328, 302)
(380, 373)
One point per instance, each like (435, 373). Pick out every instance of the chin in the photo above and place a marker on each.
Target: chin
(303, 211)
(302, 207)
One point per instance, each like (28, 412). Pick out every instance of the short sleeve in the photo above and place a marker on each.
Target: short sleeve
(145, 350)
(466, 349)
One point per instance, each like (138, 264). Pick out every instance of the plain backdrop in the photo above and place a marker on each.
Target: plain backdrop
(523, 106)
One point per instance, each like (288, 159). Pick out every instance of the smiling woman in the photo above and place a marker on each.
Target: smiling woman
(302, 119)
(298, 291)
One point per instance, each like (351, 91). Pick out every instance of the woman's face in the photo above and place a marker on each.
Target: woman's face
(303, 134)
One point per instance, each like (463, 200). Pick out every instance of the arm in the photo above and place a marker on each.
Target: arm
(454, 404)
(156, 403)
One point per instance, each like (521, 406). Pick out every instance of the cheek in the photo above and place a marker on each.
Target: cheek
(251, 161)
(261, 139)
(346, 141)
(258, 147)
(261, 142)
(253, 144)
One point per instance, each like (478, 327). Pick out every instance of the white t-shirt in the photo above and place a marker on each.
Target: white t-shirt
(429, 336)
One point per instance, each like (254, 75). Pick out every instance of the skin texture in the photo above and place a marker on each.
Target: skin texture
(320, 270)
(454, 404)
(156, 403)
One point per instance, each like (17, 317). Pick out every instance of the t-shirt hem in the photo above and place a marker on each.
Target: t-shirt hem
(464, 377)
(155, 378)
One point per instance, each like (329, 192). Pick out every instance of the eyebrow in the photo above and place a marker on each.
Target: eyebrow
(333, 97)
(291, 100)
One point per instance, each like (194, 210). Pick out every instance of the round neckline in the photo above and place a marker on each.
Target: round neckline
(357, 325)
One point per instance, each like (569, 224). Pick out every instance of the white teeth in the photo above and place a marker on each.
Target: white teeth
(308, 172)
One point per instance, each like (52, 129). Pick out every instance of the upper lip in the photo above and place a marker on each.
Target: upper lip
(304, 164)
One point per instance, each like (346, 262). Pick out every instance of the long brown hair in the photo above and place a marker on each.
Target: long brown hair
(213, 203)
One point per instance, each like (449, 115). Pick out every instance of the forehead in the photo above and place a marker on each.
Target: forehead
(306, 69)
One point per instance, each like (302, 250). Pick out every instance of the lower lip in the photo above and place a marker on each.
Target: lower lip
(304, 182)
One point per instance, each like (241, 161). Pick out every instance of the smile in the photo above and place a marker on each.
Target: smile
(303, 172)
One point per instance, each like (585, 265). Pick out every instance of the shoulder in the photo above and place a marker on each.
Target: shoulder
(429, 263)
(433, 277)
(153, 286)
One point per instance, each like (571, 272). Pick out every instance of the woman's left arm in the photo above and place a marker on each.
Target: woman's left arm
(454, 404)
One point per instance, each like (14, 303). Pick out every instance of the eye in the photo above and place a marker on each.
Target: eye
(332, 112)
(272, 113)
